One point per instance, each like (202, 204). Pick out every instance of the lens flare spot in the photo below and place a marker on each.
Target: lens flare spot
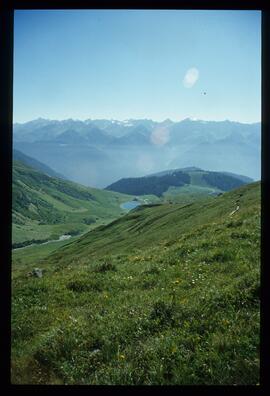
(160, 136)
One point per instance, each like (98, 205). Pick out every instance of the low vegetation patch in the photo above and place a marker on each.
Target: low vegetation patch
(106, 266)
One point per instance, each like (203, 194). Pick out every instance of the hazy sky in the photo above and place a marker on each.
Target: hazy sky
(124, 64)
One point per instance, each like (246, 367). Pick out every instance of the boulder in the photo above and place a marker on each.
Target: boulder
(38, 272)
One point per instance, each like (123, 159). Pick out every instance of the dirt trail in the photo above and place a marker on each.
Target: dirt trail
(237, 208)
(61, 238)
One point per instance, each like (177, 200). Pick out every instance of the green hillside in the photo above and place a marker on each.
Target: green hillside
(177, 184)
(150, 184)
(45, 207)
(167, 294)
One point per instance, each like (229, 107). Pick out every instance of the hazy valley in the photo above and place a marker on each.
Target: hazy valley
(97, 153)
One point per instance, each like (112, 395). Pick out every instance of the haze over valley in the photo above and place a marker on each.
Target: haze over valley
(97, 153)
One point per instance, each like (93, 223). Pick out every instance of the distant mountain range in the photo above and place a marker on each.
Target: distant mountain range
(99, 152)
(161, 182)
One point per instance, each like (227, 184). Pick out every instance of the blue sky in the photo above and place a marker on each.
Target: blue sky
(125, 64)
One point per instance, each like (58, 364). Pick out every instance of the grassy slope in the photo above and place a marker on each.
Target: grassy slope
(45, 207)
(147, 225)
(188, 193)
(165, 295)
(198, 188)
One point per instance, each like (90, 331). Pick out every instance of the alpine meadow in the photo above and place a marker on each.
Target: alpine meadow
(136, 198)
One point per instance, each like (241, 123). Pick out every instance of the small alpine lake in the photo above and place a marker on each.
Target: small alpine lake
(130, 205)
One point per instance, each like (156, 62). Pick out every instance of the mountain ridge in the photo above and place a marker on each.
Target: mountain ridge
(19, 156)
(160, 182)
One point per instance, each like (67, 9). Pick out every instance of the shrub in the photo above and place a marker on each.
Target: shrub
(80, 286)
(89, 220)
(239, 235)
(163, 313)
(148, 284)
(235, 223)
(104, 267)
(152, 270)
(218, 256)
